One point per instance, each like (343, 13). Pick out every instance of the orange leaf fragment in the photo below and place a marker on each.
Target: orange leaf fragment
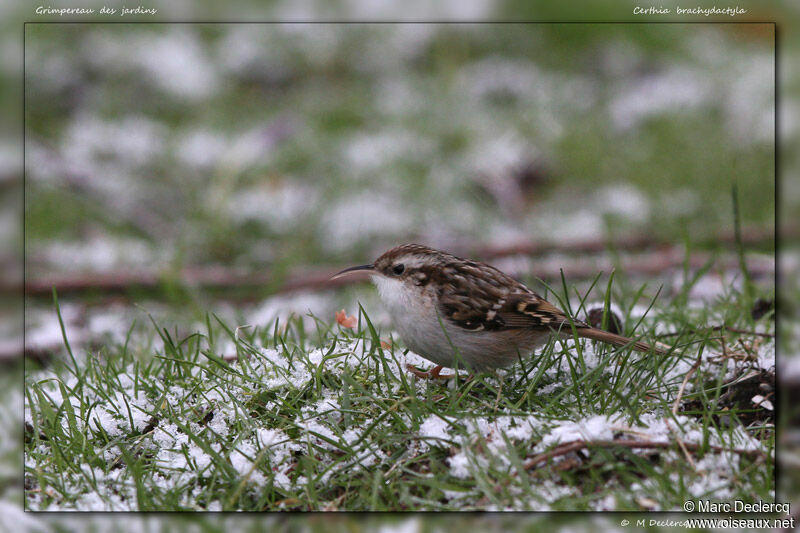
(346, 321)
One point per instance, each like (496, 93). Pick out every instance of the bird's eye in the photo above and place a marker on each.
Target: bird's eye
(398, 269)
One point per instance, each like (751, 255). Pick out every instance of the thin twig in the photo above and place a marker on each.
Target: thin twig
(719, 328)
(744, 331)
(686, 378)
(672, 430)
(677, 437)
(564, 449)
(632, 242)
(683, 447)
(318, 278)
(499, 393)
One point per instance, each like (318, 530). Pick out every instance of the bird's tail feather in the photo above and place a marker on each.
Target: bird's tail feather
(619, 340)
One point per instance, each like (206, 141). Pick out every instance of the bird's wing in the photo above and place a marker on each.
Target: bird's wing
(529, 310)
(478, 299)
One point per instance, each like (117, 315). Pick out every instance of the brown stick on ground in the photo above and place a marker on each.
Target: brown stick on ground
(564, 449)
(750, 236)
(720, 328)
(218, 277)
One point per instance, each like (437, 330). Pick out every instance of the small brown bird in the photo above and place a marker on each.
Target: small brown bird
(448, 309)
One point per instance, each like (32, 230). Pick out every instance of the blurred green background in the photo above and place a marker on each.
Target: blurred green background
(277, 145)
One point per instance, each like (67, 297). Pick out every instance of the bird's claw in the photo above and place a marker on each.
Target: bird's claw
(433, 373)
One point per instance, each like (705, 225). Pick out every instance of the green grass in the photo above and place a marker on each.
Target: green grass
(326, 105)
(314, 416)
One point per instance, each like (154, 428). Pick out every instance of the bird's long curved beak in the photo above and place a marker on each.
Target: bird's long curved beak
(353, 269)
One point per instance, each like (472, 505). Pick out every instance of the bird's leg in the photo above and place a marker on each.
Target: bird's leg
(433, 373)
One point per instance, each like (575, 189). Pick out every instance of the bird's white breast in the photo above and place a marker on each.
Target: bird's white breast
(413, 312)
(393, 293)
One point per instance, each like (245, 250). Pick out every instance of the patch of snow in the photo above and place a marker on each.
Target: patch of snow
(408, 525)
(594, 428)
(178, 63)
(434, 428)
(283, 306)
(43, 331)
(242, 458)
(109, 323)
(201, 149)
(451, 10)
(625, 201)
(790, 369)
(501, 154)
(280, 206)
(499, 76)
(750, 100)
(100, 254)
(363, 217)
(678, 88)
(368, 152)
(679, 203)
(568, 226)
(710, 286)
(396, 96)
(249, 50)
(134, 139)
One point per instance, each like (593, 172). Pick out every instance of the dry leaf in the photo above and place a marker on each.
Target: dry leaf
(346, 321)
(647, 503)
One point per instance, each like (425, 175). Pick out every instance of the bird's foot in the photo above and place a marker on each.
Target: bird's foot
(433, 373)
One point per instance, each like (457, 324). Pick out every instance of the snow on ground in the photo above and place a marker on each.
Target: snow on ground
(363, 217)
(280, 206)
(42, 328)
(181, 460)
(14, 518)
(186, 67)
(658, 93)
(101, 253)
